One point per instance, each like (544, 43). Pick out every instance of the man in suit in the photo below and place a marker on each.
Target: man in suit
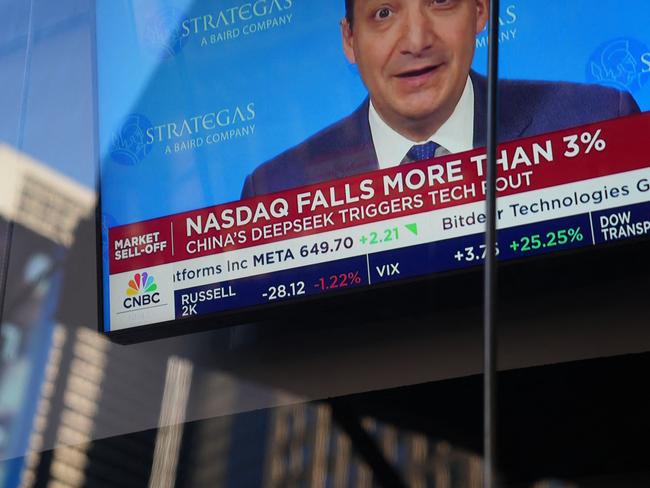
(414, 56)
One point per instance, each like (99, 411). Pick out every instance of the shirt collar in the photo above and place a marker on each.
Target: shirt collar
(455, 135)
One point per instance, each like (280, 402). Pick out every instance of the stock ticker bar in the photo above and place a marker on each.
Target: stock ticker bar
(559, 191)
(413, 261)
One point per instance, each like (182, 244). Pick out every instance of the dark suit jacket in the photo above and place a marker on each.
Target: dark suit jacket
(527, 108)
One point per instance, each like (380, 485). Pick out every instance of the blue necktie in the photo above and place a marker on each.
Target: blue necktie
(420, 152)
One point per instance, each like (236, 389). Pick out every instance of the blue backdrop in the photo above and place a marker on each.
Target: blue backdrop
(272, 73)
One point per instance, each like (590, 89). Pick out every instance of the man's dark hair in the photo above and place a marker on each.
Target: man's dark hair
(349, 11)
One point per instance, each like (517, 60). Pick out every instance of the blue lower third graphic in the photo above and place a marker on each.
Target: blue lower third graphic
(620, 223)
(271, 287)
(534, 239)
(467, 251)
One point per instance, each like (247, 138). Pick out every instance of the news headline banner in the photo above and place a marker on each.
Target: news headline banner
(524, 165)
(374, 218)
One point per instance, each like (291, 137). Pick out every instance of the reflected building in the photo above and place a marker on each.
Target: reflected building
(39, 212)
(307, 448)
(40, 199)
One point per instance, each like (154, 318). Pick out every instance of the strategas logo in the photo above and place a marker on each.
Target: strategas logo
(507, 27)
(129, 145)
(242, 20)
(622, 63)
(208, 128)
(138, 136)
(141, 292)
(162, 35)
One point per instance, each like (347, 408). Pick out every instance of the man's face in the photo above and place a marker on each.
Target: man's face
(414, 57)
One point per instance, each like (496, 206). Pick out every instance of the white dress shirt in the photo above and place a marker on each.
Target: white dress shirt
(455, 135)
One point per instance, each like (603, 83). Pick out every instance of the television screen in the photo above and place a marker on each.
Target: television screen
(267, 151)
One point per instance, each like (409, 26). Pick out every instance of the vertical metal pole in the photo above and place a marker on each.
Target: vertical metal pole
(490, 279)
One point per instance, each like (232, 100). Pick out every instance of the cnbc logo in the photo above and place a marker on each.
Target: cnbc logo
(141, 291)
